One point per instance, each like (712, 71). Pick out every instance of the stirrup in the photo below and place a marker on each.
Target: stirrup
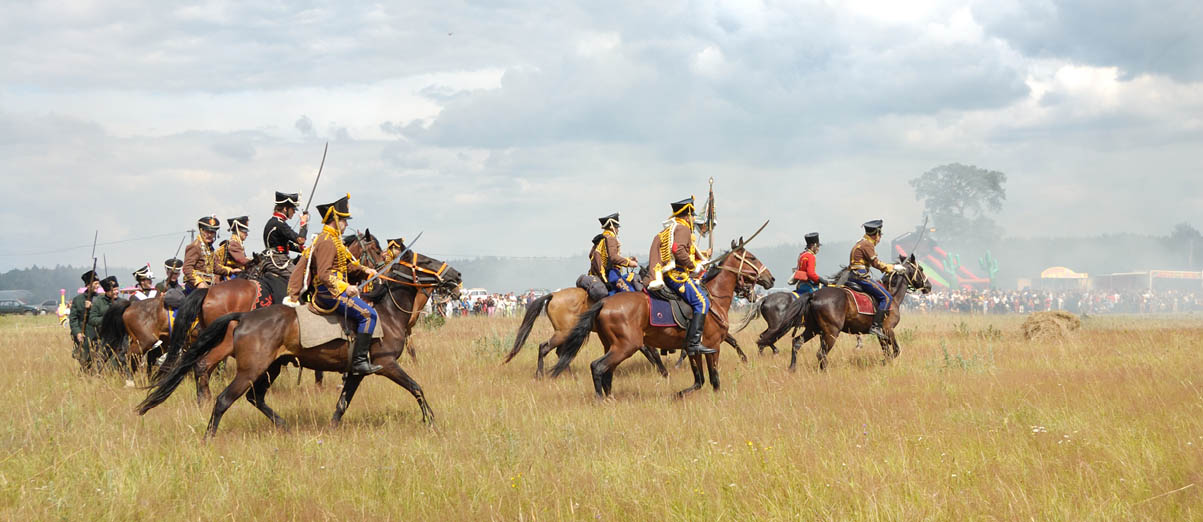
(699, 350)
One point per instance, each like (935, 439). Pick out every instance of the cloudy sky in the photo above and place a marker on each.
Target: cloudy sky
(507, 127)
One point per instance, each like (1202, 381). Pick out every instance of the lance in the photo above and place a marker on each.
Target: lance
(178, 247)
(920, 239)
(106, 264)
(88, 288)
(319, 176)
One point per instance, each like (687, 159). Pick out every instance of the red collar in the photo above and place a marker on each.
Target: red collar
(279, 215)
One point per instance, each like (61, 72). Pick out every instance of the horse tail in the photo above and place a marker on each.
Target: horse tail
(792, 317)
(576, 338)
(164, 385)
(752, 315)
(112, 326)
(188, 313)
(528, 322)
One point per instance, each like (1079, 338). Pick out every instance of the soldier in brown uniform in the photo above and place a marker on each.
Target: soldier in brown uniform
(232, 254)
(199, 269)
(863, 257)
(606, 260)
(674, 255)
(328, 266)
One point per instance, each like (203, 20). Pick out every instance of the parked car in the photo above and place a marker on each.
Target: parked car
(49, 306)
(475, 294)
(13, 306)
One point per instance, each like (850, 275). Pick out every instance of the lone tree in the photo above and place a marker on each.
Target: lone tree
(959, 198)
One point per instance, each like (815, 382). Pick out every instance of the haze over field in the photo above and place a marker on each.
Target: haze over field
(505, 130)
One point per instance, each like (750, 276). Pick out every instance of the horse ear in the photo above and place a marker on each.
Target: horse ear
(901, 258)
(733, 245)
(912, 258)
(367, 233)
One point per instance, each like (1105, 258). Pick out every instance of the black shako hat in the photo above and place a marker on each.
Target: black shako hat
(340, 208)
(173, 265)
(143, 273)
(872, 227)
(683, 207)
(239, 223)
(208, 223)
(609, 221)
(287, 199)
(813, 239)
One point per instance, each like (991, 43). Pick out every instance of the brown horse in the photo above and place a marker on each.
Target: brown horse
(137, 329)
(266, 337)
(829, 311)
(242, 294)
(622, 322)
(564, 308)
(772, 308)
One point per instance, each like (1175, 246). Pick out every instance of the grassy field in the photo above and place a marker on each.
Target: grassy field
(972, 422)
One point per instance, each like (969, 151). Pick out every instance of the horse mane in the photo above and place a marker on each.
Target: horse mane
(714, 269)
(349, 238)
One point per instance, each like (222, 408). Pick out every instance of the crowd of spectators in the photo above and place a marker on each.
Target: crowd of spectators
(1076, 301)
(492, 305)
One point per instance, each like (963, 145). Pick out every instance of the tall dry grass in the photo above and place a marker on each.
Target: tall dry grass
(971, 422)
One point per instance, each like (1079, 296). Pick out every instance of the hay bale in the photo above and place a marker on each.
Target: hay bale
(1052, 325)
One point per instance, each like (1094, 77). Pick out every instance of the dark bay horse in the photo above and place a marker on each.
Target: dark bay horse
(265, 338)
(137, 329)
(564, 308)
(829, 311)
(242, 294)
(772, 308)
(622, 322)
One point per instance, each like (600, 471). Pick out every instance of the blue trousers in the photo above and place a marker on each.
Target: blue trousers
(864, 280)
(805, 287)
(615, 282)
(353, 308)
(689, 291)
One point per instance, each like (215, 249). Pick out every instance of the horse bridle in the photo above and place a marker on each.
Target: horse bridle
(742, 288)
(911, 276)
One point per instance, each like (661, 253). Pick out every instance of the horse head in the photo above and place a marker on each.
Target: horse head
(366, 248)
(916, 279)
(425, 271)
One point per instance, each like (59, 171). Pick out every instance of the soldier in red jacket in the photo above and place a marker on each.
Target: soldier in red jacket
(805, 275)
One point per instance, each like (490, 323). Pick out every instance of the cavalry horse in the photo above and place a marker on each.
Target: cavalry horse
(623, 322)
(266, 338)
(831, 310)
(241, 294)
(564, 308)
(772, 307)
(136, 329)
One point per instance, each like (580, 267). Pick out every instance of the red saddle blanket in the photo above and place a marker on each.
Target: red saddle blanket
(864, 303)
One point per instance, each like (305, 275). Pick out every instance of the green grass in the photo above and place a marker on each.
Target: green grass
(970, 423)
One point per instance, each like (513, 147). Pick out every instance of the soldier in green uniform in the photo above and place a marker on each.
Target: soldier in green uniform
(81, 313)
(100, 305)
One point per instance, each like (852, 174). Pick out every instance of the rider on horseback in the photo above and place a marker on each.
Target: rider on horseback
(864, 256)
(331, 263)
(232, 254)
(805, 276)
(145, 289)
(674, 254)
(200, 270)
(280, 239)
(606, 260)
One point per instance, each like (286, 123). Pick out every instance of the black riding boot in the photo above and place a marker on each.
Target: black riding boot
(693, 337)
(876, 329)
(359, 356)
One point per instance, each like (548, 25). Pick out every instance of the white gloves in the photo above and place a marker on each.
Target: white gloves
(899, 268)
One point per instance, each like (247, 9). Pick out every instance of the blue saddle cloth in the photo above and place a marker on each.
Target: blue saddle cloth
(668, 312)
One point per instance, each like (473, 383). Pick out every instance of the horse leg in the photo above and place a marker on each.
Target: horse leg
(885, 349)
(730, 339)
(318, 375)
(350, 385)
(655, 359)
(827, 341)
(712, 366)
(603, 368)
(544, 349)
(258, 391)
(695, 364)
(393, 371)
(680, 360)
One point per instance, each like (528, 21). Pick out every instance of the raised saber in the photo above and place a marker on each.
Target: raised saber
(385, 268)
(710, 214)
(178, 247)
(319, 176)
(920, 240)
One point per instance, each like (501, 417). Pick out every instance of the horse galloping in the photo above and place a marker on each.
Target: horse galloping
(264, 338)
(830, 311)
(623, 322)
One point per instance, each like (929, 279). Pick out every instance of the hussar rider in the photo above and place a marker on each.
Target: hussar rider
(200, 270)
(329, 265)
(280, 240)
(232, 254)
(673, 257)
(606, 260)
(864, 257)
(145, 289)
